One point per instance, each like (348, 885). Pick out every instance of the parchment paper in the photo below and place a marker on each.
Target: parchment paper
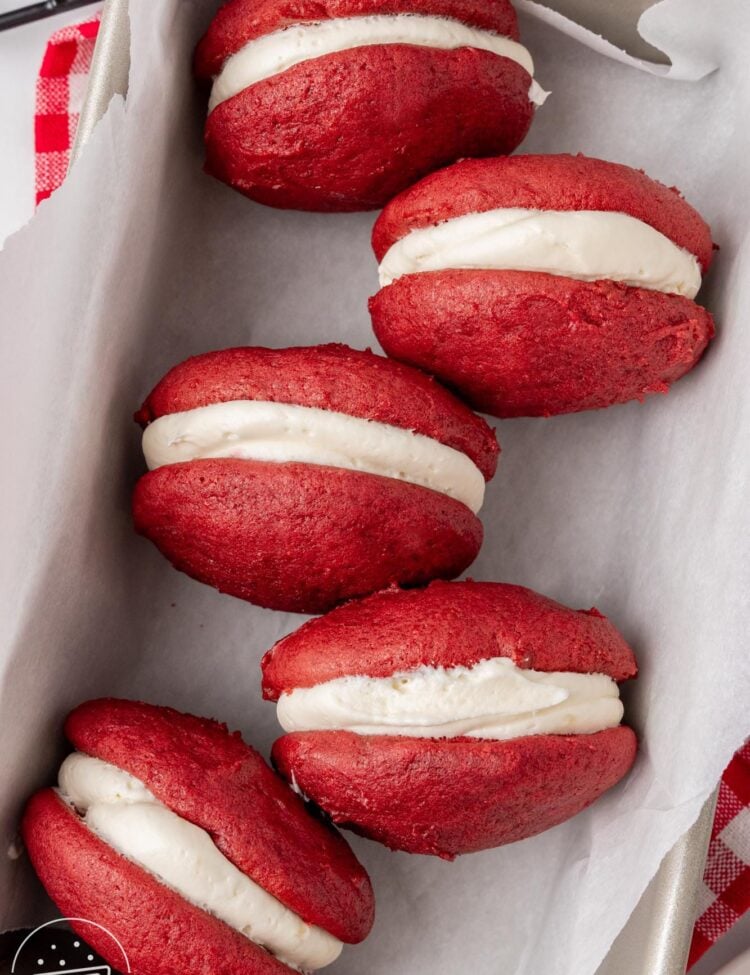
(635, 32)
(641, 510)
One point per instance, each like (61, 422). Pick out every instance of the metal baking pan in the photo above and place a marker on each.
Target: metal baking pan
(656, 939)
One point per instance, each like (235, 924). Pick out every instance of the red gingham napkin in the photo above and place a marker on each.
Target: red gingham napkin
(60, 91)
(725, 894)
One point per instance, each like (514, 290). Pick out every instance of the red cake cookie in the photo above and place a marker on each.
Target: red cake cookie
(339, 104)
(299, 478)
(175, 837)
(454, 718)
(539, 285)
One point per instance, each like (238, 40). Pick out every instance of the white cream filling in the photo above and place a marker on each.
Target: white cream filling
(124, 813)
(589, 245)
(283, 433)
(493, 699)
(273, 53)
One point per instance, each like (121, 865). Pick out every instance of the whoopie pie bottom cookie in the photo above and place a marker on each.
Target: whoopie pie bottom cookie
(298, 478)
(537, 285)
(175, 837)
(340, 104)
(451, 719)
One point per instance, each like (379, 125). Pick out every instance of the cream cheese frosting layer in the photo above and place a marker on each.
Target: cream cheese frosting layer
(126, 815)
(589, 245)
(494, 699)
(273, 53)
(284, 433)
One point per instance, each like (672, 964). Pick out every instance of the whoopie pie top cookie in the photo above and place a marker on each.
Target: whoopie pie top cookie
(177, 838)
(454, 718)
(446, 625)
(543, 284)
(297, 478)
(339, 104)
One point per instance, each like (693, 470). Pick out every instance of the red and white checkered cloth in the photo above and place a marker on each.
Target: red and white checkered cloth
(725, 894)
(60, 91)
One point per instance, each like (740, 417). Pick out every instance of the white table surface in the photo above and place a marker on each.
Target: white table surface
(21, 50)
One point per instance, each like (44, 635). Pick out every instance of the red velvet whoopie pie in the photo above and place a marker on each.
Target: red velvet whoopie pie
(337, 105)
(451, 719)
(538, 285)
(299, 478)
(178, 840)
